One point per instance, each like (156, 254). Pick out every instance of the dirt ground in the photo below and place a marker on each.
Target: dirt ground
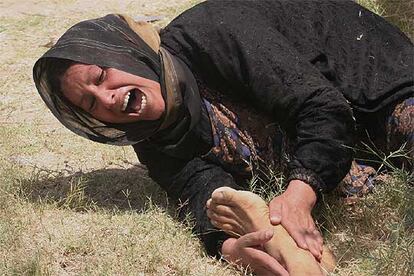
(69, 206)
(27, 29)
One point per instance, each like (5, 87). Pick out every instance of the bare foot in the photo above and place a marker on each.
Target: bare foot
(242, 212)
(237, 212)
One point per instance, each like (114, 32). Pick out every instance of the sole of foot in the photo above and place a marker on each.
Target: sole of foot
(238, 212)
(241, 212)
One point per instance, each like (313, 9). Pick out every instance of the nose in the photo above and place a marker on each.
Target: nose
(106, 97)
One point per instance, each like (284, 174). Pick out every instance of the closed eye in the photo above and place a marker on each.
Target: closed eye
(101, 77)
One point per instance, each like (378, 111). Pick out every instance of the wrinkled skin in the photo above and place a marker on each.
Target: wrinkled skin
(101, 92)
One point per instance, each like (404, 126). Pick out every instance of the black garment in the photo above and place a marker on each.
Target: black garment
(106, 42)
(305, 64)
(116, 41)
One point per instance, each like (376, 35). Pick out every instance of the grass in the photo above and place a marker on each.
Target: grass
(53, 224)
(69, 206)
(371, 235)
(397, 12)
(375, 235)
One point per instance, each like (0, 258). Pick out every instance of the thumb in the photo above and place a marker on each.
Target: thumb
(275, 211)
(255, 238)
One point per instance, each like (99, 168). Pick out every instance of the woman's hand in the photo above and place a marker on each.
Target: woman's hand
(293, 209)
(246, 251)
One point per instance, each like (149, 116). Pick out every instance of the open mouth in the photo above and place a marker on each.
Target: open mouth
(134, 102)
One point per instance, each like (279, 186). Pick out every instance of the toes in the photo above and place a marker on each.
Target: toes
(227, 227)
(224, 218)
(208, 203)
(220, 219)
(223, 210)
(209, 213)
(215, 223)
(222, 226)
(223, 195)
(225, 224)
(230, 229)
(241, 207)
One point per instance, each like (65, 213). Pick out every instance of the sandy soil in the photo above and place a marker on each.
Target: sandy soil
(28, 28)
(69, 206)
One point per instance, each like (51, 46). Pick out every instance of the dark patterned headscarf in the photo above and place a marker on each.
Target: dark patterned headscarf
(117, 41)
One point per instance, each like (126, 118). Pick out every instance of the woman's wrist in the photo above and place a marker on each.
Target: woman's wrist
(302, 193)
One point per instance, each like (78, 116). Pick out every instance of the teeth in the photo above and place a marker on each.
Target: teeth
(124, 105)
(143, 104)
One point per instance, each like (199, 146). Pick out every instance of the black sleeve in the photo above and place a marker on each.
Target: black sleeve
(192, 183)
(240, 51)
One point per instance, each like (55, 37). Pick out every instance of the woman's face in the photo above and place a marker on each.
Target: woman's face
(112, 95)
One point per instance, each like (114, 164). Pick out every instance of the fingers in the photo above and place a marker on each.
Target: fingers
(298, 222)
(315, 242)
(275, 211)
(314, 247)
(243, 251)
(309, 239)
(319, 242)
(263, 264)
(255, 238)
(299, 238)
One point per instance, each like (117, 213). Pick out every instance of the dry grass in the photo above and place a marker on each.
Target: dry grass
(375, 236)
(398, 12)
(69, 206)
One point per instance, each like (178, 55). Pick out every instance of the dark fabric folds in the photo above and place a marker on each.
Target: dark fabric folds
(311, 65)
(106, 42)
(314, 67)
(110, 42)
